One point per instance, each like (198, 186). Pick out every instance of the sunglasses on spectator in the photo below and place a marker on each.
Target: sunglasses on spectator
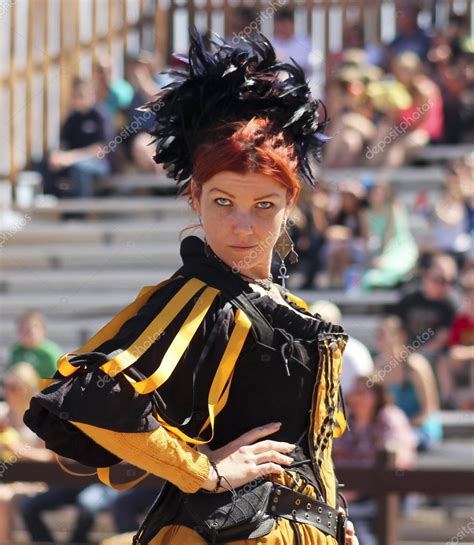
(442, 280)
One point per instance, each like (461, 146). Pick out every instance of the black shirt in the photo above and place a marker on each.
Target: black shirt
(84, 129)
(420, 314)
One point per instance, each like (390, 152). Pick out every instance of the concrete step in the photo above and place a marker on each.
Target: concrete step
(443, 153)
(91, 256)
(122, 206)
(66, 281)
(95, 232)
(406, 179)
(82, 301)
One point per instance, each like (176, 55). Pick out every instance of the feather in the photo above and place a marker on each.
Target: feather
(227, 83)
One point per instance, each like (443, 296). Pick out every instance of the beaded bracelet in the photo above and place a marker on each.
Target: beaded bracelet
(219, 476)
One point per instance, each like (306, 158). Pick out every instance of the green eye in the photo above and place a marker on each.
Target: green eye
(221, 199)
(270, 204)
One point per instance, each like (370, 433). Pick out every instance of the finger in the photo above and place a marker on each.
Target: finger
(351, 540)
(273, 456)
(268, 469)
(257, 433)
(268, 444)
(350, 537)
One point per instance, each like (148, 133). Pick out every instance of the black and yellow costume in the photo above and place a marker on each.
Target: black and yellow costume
(184, 365)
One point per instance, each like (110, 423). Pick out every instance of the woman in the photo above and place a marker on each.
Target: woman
(190, 379)
(391, 245)
(17, 441)
(419, 122)
(410, 379)
(347, 234)
(376, 425)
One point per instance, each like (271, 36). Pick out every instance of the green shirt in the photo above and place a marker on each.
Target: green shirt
(43, 357)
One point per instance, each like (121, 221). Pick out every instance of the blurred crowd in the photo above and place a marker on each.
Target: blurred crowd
(386, 101)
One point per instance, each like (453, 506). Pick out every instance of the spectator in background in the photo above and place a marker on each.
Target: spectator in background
(461, 344)
(448, 68)
(242, 23)
(347, 234)
(428, 313)
(83, 135)
(357, 359)
(467, 97)
(353, 111)
(409, 377)
(17, 441)
(353, 38)
(311, 239)
(376, 424)
(405, 130)
(113, 93)
(288, 44)
(431, 307)
(89, 502)
(139, 71)
(410, 37)
(33, 347)
(449, 216)
(392, 248)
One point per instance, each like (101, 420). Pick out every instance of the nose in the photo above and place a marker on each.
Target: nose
(242, 225)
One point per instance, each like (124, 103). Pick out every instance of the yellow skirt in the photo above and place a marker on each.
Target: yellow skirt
(283, 532)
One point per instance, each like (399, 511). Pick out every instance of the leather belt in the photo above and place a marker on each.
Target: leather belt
(287, 503)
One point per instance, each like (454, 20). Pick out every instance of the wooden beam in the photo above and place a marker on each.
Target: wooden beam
(28, 79)
(12, 96)
(45, 12)
(124, 26)
(162, 31)
(110, 29)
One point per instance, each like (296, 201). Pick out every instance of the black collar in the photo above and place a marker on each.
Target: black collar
(209, 267)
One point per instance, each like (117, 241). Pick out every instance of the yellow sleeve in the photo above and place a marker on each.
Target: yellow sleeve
(157, 452)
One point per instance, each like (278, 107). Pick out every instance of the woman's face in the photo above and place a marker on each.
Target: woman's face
(388, 336)
(361, 399)
(242, 216)
(378, 196)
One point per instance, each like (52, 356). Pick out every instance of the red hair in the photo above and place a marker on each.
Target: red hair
(247, 146)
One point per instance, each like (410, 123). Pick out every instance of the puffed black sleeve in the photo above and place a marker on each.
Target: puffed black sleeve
(157, 368)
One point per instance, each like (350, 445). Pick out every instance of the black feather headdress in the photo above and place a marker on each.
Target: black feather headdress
(231, 83)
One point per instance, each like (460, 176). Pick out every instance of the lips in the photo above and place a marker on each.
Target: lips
(244, 247)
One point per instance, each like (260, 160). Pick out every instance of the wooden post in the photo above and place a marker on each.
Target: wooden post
(191, 12)
(141, 23)
(76, 48)
(326, 41)
(387, 502)
(12, 96)
(125, 27)
(162, 31)
(111, 30)
(45, 76)
(64, 61)
(94, 34)
(29, 80)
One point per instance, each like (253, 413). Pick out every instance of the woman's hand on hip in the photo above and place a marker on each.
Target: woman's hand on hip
(243, 460)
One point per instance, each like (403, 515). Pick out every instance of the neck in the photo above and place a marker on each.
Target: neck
(260, 271)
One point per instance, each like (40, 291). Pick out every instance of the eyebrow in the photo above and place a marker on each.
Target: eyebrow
(233, 196)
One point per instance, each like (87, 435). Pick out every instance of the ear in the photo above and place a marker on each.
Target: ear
(194, 196)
